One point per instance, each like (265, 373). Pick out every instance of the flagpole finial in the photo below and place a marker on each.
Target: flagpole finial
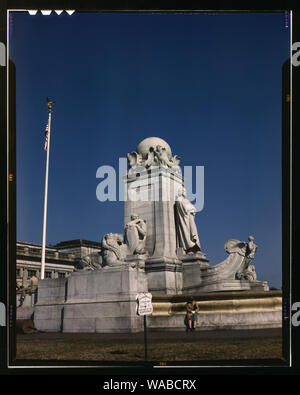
(50, 104)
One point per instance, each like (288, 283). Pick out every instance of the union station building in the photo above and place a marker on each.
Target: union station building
(61, 259)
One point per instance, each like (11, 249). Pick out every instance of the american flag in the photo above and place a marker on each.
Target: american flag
(46, 137)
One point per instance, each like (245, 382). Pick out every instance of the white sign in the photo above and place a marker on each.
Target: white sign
(144, 303)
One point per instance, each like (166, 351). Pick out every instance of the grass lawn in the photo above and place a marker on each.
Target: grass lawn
(158, 349)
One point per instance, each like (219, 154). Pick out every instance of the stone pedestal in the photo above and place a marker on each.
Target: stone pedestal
(93, 301)
(192, 265)
(164, 275)
(104, 301)
(48, 311)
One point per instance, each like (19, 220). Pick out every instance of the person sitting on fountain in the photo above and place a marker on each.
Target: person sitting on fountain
(191, 314)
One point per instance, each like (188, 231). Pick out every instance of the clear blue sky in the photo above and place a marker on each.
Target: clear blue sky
(210, 85)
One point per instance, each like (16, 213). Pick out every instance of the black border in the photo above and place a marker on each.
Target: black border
(8, 232)
(295, 269)
(3, 189)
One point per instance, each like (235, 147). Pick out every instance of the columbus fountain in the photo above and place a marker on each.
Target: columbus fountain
(159, 251)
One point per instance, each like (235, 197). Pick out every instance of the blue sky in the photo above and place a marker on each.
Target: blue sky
(208, 84)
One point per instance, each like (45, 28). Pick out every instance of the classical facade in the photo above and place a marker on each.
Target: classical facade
(61, 259)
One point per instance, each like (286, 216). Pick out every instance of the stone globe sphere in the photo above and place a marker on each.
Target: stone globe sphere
(146, 144)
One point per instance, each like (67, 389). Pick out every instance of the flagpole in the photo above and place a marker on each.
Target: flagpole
(46, 193)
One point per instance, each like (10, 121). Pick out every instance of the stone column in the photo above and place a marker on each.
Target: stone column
(151, 195)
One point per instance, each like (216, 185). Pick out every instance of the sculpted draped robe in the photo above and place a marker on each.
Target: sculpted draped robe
(186, 229)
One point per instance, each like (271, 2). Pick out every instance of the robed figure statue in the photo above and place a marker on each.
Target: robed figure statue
(186, 230)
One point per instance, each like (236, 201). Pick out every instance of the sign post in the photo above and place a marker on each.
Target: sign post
(144, 307)
(145, 337)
